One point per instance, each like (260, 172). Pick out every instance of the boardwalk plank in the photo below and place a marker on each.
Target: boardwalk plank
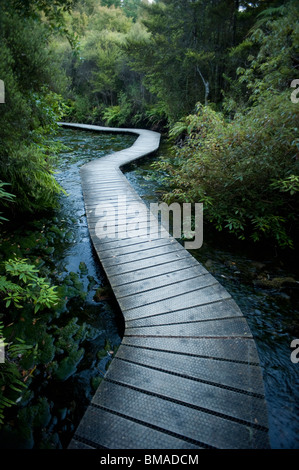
(172, 255)
(229, 404)
(103, 429)
(159, 281)
(202, 313)
(243, 377)
(155, 271)
(211, 431)
(193, 298)
(179, 287)
(236, 349)
(223, 327)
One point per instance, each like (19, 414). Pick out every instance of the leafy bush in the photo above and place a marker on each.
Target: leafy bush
(22, 284)
(5, 197)
(21, 287)
(30, 112)
(245, 172)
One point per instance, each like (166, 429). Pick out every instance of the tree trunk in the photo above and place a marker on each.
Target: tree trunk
(206, 85)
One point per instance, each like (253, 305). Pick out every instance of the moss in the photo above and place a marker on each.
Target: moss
(101, 354)
(65, 334)
(62, 292)
(49, 250)
(49, 441)
(68, 365)
(17, 437)
(103, 293)
(83, 268)
(56, 232)
(27, 362)
(86, 332)
(71, 287)
(52, 368)
(69, 236)
(95, 382)
(78, 289)
(107, 346)
(46, 351)
(37, 415)
(43, 415)
(91, 283)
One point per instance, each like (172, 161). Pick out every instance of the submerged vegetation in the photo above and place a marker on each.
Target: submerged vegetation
(212, 75)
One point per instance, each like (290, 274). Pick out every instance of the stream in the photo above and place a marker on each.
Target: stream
(90, 322)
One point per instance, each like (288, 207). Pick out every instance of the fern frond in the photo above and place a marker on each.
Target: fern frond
(20, 348)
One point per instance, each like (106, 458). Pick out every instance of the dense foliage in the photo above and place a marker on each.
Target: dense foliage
(32, 79)
(104, 88)
(146, 63)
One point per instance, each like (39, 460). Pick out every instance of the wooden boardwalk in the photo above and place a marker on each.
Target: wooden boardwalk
(187, 373)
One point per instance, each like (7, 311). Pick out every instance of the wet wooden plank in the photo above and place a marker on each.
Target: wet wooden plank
(232, 350)
(210, 431)
(235, 375)
(231, 404)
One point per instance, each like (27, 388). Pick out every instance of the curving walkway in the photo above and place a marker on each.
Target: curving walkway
(187, 373)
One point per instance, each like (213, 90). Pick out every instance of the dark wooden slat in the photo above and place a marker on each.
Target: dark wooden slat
(209, 430)
(159, 281)
(231, 350)
(211, 311)
(103, 428)
(242, 377)
(231, 405)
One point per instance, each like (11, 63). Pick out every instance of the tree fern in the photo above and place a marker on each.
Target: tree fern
(178, 129)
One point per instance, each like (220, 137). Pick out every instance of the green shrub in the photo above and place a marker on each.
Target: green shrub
(245, 172)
